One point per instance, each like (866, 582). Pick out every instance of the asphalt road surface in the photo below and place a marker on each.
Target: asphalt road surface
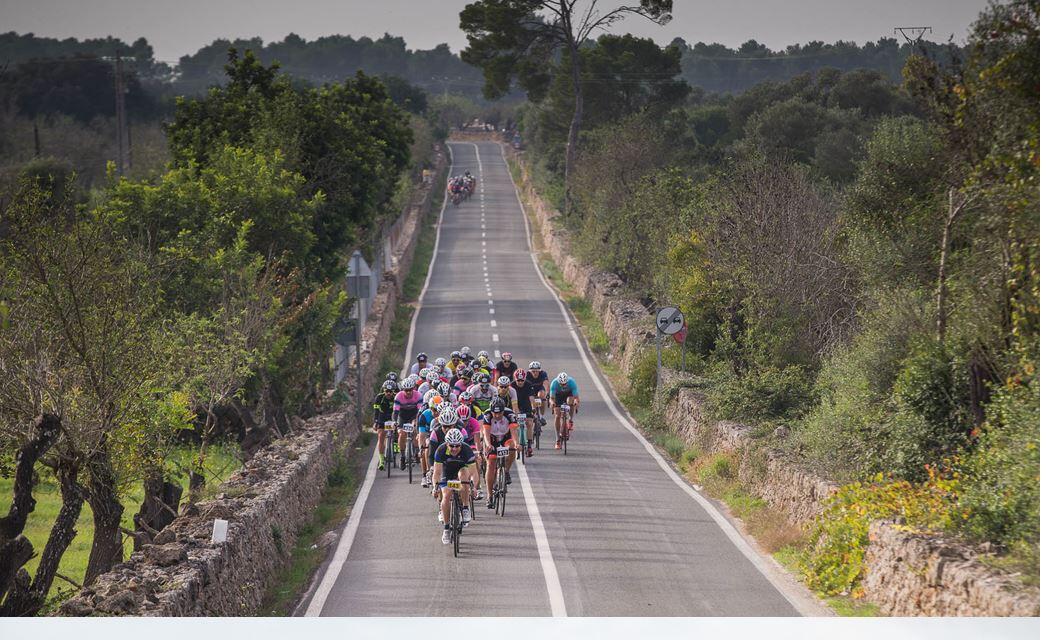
(604, 531)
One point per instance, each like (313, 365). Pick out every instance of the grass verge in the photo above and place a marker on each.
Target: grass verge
(334, 507)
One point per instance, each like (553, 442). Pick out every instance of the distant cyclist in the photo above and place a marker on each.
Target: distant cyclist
(421, 362)
(483, 392)
(506, 366)
(500, 430)
(406, 406)
(524, 401)
(564, 391)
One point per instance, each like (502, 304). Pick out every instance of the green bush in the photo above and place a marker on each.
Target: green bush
(760, 394)
(1002, 498)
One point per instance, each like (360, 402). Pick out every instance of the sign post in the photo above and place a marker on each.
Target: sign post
(668, 321)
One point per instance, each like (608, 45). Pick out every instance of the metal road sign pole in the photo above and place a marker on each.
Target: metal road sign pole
(668, 321)
(658, 363)
(359, 330)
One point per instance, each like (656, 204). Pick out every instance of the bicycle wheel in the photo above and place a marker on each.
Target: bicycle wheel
(389, 454)
(456, 522)
(523, 439)
(500, 479)
(411, 460)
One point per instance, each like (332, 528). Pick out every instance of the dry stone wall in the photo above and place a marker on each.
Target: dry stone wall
(266, 503)
(907, 574)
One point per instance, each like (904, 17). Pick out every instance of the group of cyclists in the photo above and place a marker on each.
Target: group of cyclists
(461, 187)
(461, 411)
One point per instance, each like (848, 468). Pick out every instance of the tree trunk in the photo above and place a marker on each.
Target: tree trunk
(15, 549)
(573, 130)
(107, 547)
(940, 292)
(25, 599)
(159, 506)
(255, 436)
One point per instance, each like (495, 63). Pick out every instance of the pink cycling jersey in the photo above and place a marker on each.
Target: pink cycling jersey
(410, 401)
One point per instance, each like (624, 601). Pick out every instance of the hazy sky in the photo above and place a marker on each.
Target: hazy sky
(178, 27)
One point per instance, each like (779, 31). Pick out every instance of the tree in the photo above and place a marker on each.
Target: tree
(521, 39)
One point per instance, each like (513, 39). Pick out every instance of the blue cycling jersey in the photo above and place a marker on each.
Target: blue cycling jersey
(425, 419)
(570, 388)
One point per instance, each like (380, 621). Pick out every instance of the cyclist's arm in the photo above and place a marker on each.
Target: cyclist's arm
(513, 434)
(438, 475)
(486, 433)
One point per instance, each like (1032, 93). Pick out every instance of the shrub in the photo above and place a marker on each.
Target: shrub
(832, 562)
(761, 394)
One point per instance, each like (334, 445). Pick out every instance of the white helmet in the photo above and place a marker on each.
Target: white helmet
(429, 396)
(454, 437)
(448, 418)
(444, 407)
(535, 364)
(407, 384)
(464, 351)
(483, 354)
(432, 377)
(440, 363)
(562, 377)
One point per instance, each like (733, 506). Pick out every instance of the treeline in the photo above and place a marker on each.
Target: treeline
(857, 260)
(192, 307)
(720, 69)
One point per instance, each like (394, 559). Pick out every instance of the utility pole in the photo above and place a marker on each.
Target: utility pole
(913, 35)
(121, 117)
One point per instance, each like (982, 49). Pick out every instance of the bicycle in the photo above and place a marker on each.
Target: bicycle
(409, 429)
(522, 435)
(536, 403)
(390, 428)
(456, 510)
(563, 432)
(498, 492)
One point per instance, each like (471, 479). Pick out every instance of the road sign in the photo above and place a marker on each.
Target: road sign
(669, 320)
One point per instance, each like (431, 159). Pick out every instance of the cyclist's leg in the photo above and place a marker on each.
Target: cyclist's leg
(381, 445)
(489, 476)
(445, 505)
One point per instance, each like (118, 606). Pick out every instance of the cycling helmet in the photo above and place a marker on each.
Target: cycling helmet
(444, 406)
(562, 377)
(440, 363)
(497, 406)
(503, 381)
(520, 375)
(467, 371)
(413, 379)
(484, 378)
(465, 397)
(444, 389)
(482, 361)
(463, 411)
(389, 385)
(429, 395)
(433, 377)
(407, 385)
(448, 418)
(507, 356)
(483, 354)
(392, 376)
(535, 364)
(454, 436)
(456, 354)
(464, 351)
(422, 357)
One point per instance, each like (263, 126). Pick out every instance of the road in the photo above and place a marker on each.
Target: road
(607, 530)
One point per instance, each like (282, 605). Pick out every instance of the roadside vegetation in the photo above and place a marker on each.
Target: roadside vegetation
(858, 263)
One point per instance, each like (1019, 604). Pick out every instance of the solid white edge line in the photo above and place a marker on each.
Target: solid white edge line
(549, 568)
(349, 532)
(722, 522)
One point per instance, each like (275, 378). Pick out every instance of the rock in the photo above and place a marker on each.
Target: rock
(121, 602)
(164, 537)
(165, 555)
(327, 539)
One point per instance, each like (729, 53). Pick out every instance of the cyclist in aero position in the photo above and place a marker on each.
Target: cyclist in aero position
(538, 380)
(383, 406)
(453, 459)
(406, 406)
(499, 431)
(564, 391)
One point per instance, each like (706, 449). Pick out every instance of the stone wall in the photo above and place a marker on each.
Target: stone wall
(266, 503)
(906, 573)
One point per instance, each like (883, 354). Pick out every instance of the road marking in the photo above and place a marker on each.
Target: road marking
(493, 325)
(483, 234)
(349, 532)
(549, 568)
(490, 301)
(722, 522)
(491, 311)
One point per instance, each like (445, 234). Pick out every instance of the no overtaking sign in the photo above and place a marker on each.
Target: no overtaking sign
(669, 320)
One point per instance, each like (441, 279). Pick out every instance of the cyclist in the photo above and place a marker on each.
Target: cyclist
(538, 380)
(463, 374)
(383, 406)
(506, 366)
(482, 392)
(500, 430)
(482, 365)
(431, 381)
(524, 401)
(426, 423)
(406, 406)
(440, 365)
(564, 391)
(507, 394)
(453, 460)
(466, 358)
(421, 362)
(437, 433)
(393, 376)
